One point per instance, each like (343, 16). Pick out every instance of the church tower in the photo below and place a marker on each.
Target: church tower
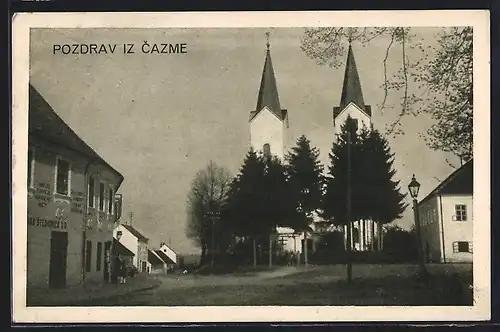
(268, 122)
(364, 233)
(351, 100)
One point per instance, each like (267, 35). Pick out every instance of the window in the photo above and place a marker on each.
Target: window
(91, 192)
(31, 166)
(355, 124)
(62, 177)
(110, 204)
(101, 196)
(88, 256)
(266, 149)
(460, 212)
(99, 258)
(462, 246)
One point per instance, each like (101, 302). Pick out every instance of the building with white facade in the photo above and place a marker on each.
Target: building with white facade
(446, 218)
(137, 243)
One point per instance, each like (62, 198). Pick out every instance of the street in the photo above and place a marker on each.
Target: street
(319, 285)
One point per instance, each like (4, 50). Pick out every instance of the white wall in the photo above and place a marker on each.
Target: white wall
(457, 230)
(429, 214)
(129, 241)
(355, 113)
(169, 252)
(267, 128)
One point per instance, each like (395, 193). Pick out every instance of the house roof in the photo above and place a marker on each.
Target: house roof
(164, 257)
(351, 89)
(120, 249)
(268, 92)
(135, 232)
(154, 258)
(460, 182)
(46, 124)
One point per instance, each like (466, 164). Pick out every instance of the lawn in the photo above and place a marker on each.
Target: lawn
(371, 286)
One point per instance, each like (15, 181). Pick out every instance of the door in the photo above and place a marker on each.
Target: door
(107, 257)
(58, 257)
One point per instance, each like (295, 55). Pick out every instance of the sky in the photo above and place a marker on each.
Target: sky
(160, 118)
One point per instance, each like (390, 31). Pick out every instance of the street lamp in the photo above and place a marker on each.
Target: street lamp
(413, 188)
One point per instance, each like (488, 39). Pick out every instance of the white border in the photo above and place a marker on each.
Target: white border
(481, 205)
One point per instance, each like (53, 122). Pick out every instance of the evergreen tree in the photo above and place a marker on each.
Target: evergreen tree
(245, 204)
(338, 185)
(383, 198)
(306, 179)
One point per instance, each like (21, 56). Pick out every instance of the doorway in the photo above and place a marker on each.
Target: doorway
(107, 259)
(58, 259)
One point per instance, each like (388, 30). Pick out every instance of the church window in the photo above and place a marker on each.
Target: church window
(356, 125)
(267, 149)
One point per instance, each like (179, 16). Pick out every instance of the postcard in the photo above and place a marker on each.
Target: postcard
(251, 167)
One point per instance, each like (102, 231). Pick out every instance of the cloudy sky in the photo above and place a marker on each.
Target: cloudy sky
(159, 118)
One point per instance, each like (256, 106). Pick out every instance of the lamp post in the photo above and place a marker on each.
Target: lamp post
(413, 188)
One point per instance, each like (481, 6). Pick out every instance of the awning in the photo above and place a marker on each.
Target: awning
(120, 249)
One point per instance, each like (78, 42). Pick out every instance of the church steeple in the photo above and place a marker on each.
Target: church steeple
(268, 93)
(351, 90)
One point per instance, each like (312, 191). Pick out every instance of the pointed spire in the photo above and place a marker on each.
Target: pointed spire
(268, 93)
(351, 90)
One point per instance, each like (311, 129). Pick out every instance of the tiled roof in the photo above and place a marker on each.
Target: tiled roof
(120, 249)
(351, 89)
(135, 232)
(44, 123)
(165, 258)
(268, 92)
(460, 182)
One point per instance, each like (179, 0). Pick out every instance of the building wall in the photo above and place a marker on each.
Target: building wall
(430, 224)
(142, 256)
(355, 113)
(267, 128)
(129, 241)
(51, 212)
(455, 231)
(169, 252)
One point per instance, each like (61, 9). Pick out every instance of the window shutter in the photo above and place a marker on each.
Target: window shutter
(455, 247)
(471, 247)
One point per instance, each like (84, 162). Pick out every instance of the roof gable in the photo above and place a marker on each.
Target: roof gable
(45, 123)
(164, 257)
(135, 233)
(120, 249)
(460, 182)
(367, 110)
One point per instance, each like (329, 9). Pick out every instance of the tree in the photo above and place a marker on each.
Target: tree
(431, 80)
(208, 192)
(245, 203)
(306, 181)
(382, 197)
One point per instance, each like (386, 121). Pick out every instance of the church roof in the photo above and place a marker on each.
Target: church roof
(268, 93)
(351, 89)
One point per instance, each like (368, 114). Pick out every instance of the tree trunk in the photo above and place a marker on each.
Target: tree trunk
(270, 250)
(373, 235)
(254, 254)
(349, 249)
(379, 236)
(305, 249)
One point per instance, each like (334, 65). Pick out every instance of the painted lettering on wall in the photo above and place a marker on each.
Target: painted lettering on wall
(41, 222)
(42, 194)
(77, 201)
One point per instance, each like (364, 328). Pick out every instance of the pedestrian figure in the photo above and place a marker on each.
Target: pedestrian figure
(123, 271)
(116, 270)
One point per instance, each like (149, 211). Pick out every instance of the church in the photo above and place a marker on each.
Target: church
(269, 125)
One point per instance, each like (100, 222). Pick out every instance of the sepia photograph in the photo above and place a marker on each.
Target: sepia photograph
(218, 166)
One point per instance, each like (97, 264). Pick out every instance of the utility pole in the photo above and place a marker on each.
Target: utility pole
(131, 218)
(348, 208)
